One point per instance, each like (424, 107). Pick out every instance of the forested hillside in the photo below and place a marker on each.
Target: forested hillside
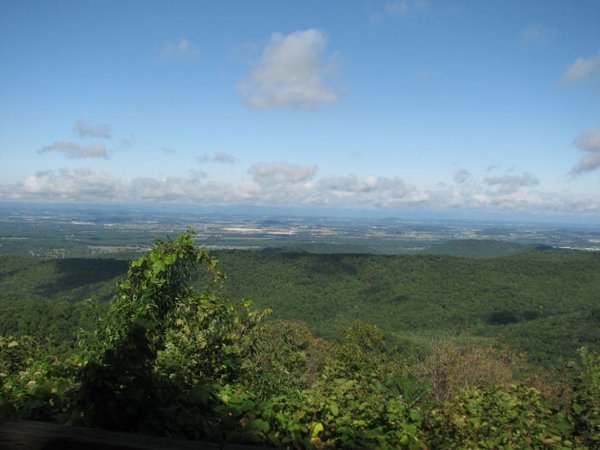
(175, 354)
(546, 302)
(543, 301)
(46, 297)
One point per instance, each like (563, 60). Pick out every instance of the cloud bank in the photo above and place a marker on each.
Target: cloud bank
(291, 74)
(284, 183)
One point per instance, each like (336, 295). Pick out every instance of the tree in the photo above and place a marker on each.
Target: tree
(165, 345)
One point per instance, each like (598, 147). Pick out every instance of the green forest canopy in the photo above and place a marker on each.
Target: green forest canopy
(544, 302)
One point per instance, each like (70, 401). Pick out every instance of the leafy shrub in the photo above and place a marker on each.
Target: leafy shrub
(337, 413)
(585, 409)
(284, 356)
(514, 417)
(33, 384)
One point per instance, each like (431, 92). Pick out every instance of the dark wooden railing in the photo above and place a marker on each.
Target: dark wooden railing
(27, 435)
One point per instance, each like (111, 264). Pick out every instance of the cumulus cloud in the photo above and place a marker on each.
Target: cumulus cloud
(381, 192)
(582, 68)
(291, 74)
(73, 150)
(278, 173)
(511, 183)
(589, 143)
(505, 191)
(217, 158)
(85, 130)
(183, 49)
(71, 184)
(90, 185)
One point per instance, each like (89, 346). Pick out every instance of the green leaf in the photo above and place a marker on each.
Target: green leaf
(316, 428)
(260, 425)
(334, 408)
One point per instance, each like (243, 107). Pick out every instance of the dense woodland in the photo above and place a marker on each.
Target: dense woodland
(336, 351)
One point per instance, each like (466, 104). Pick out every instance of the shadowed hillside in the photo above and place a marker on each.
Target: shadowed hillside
(478, 248)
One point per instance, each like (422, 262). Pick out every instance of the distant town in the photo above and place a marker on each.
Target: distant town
(86, 230)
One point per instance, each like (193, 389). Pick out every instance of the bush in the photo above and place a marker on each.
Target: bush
(585, 408)
(514, 417)
(337, 413)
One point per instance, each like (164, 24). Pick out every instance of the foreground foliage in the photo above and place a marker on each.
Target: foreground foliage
(170, 359)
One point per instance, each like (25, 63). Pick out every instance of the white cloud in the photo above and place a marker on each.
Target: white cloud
(277, 173)
(71, 184)
(582, 68)
(73, 150)
(291, 74)
(183, 49)
(381, 192)
(589, 142)
(217, 158)
(511, 183)
(508, 191)
(85, 130)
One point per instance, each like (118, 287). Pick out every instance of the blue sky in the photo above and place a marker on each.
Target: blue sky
(482, 106)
